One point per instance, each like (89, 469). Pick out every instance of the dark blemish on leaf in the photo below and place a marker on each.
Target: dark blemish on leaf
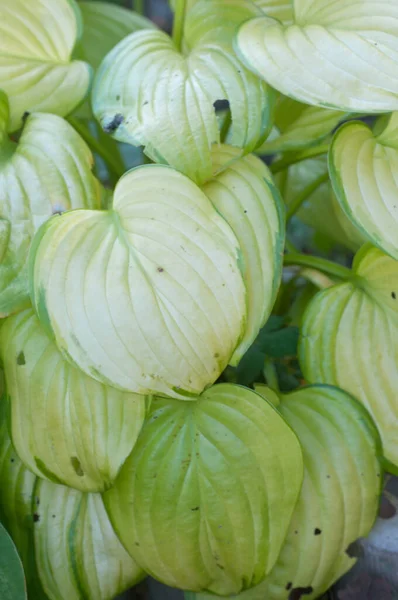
(216, 355)
(114, 124)
(77, 466)
(220, 566)
(21, 359)
(295, 532)
(355, 550)
(393, 295)
(38, 501)
(327, 476)
(221, 105)
(297, 593)
(387, 510)
(25, 116)
(160, 269)
(136, 543)
(289, 586)
(53, 516)
(196, 508)
(13, 460)
(245, 211)
(317, 531)
(36, 518)
(118, 97)
(145, 103)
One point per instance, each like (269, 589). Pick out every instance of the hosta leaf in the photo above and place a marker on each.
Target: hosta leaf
(77, 552)
(65, 426)
(47, 172)
(36, 70)
(16, 491)
(148, 93)
(246, 197)
(364, 172)
(339, 499)
(320, 211)
(277, 9)
(12, 580)
(309, 125)
(296, 58)
(205, 499)
(349, 339)
(147, 296)
(104, 25)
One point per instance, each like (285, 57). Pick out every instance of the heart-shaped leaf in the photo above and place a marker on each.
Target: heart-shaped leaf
(36, 70)
(47, 172)
(65, 426)
(339, 498)
(147, 296)
(205, 499)
(349, 339)
(364, 172)
(12, 580)
(78, 554)
(148, 93)
(299, 126)
(245, 195)
(341, 54)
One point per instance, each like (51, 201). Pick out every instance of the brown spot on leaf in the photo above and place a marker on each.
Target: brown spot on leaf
(114, 124)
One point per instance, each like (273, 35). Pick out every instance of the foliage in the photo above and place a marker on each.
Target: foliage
(160, 324)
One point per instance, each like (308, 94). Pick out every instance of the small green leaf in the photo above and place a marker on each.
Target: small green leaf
(349, 339)
(295, 58)
(148, 93)
(364, 173)
(206, 497)
(12, 580)
(147, 296)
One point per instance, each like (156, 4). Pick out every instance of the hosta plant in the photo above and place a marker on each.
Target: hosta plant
(198, 294)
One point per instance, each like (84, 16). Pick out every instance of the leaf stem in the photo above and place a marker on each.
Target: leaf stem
(294, 206)
(139, 6)
(179, 22)
(110, 159)
(271, 374)
(321, 264)
(287, 161)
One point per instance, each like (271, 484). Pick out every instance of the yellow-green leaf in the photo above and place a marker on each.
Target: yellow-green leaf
(48, 171)
(299, 126)
(78, 554)
(277, 9)
(147, 296)
(341, 54)
(37, 38)
(245, 195)
(206, 497)
(148, 93)
(339, 499)
(65, 426)
(349, 339)
(364, 171)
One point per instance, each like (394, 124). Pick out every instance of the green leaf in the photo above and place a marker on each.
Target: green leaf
(277, 9)
(300, 126)
(206, 497)
(16, 491)
(147, 297)
(245, 195)
(77, 552)
(39, 177)
(36, 70)
(12, 580)
(339, 498)
(279, 343)
(349, 339)
(65, 426)
(104, 26)
(148, 93)
(320, 211)
(295, 58)
(364, 172)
